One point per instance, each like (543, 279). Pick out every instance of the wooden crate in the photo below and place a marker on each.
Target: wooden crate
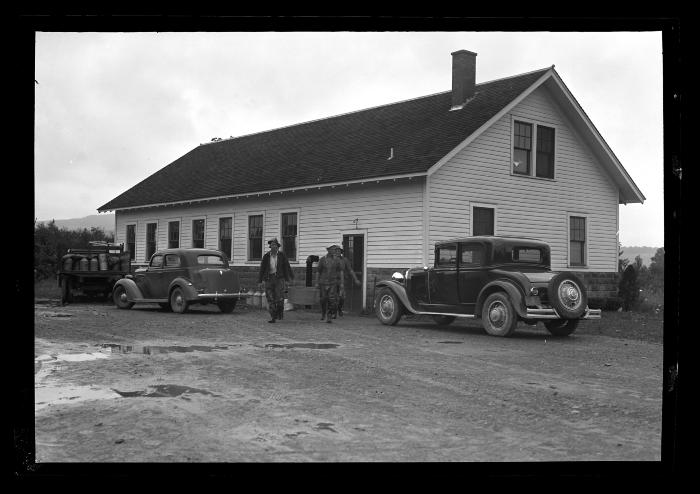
(302, 295)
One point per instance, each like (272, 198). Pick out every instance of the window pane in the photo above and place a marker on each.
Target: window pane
(131, 241)
(522, 147)
(483, 221)
(172, 260)
(157, 262)
(289, 235)
(210, 260)
(447, 255)
(545, 152)
(198, 234)
(255, 240)
(174, 234)
(150, 239)
(521, 254)
(225, 233)
(577, 235)
(472, 255)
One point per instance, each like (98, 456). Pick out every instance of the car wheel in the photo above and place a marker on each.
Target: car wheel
(567, 295)
(498, 315)
(444, 320)
(561, 327)
(120, 298)
(388, 307)
(178, 304)
(227, 306)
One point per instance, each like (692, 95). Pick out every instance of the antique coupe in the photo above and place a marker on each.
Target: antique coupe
(177, 278)
(500, 280)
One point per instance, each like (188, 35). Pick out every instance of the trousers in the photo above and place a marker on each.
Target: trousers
(274, 293)
(329, 298)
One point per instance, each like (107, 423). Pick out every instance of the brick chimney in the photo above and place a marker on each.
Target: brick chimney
(463, 77)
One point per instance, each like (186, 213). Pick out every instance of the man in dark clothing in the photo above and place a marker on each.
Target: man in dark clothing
(346, 266)
(330, 278)
(274, 272)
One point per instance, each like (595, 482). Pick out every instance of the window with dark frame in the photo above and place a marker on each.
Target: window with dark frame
(255, 237)
(150, 239)
(447, 255)
(544, 162)
(225, 231)
(577, 241)
(483, 221)
(522, 148)
(173, 234)
(131, 241)
(198, 234)
(289, 235)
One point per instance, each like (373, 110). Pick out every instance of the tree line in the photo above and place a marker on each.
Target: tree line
(641, 287)
(52, 243)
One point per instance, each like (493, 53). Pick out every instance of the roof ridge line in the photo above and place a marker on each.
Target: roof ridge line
(369, 108)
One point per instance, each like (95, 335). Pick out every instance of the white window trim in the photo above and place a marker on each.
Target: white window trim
(533, 151)
(179, 233)
(586, 263)
(192, 220)
(248, 214)
(473, 205)
(298, 213)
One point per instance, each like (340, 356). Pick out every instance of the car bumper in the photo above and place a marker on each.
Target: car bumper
(552, 314)
(219, 296)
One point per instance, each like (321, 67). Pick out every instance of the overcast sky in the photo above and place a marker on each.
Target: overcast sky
(113, 108)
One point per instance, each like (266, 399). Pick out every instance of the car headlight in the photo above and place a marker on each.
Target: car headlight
(398, 277)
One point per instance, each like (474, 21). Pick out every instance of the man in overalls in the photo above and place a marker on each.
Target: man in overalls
(330, 279)
(274, 272)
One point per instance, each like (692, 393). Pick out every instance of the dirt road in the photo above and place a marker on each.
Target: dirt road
(145, 385)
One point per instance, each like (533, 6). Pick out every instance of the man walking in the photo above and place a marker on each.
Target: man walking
(274, 272)
(330, 278)
(347, 270)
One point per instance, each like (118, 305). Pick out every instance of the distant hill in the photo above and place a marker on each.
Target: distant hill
(104, 221)
(646, 253)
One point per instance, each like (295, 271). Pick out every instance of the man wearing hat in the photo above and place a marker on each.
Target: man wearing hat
(274, 271)
(346, 267)
(330, 278)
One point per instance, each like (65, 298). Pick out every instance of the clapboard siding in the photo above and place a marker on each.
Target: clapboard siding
(480, 174)
(390, 214)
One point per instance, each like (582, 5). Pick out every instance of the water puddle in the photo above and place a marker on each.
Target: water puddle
(152, 350)
(45, 396)
(451, 342)
(163, 391)
(314, 346)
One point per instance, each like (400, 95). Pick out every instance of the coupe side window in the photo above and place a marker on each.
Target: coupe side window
(157, 261)
(172, 261)
(472, 255)
(447, 255)
(210, 260)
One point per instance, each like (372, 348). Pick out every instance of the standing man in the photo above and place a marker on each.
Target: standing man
(330, 278)
(346, 267)
(274, 272)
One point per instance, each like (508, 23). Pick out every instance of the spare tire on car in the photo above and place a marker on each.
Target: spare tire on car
(567, 295)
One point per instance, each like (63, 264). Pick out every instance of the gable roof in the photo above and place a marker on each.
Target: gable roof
(417, 133)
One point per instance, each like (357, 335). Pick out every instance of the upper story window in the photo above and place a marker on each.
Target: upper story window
(131, 241)
(173, 234)
(533, 150)
(255, 237)
(198, 234)
(289, 235)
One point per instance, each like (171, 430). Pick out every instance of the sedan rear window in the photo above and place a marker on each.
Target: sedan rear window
(210, 260)
(527, 254)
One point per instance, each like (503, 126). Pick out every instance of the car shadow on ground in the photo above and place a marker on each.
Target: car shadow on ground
(522, 332)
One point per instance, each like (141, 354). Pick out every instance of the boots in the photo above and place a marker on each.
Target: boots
(324, 308)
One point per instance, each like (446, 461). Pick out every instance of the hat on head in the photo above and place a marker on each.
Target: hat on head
(331, 247)
(274, 241)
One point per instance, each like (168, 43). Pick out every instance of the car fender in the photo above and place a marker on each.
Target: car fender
(186, 286)
(133, 292)
(400, 292)
(513, 292)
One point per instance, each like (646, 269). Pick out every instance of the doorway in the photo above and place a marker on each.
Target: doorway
(354, 250)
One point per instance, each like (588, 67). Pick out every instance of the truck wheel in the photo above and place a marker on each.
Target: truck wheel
(498, 315)
(561, 327)
(444, 320)
(567, 295)
(227, 306)
(177, 301)
(388, 307)
(120, 298)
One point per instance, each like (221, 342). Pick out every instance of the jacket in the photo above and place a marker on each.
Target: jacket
(284, 270)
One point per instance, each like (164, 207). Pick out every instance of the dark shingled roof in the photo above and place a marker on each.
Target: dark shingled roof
(343, 148)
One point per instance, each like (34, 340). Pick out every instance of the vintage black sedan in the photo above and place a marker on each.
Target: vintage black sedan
(500, 280)
(177, 278)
